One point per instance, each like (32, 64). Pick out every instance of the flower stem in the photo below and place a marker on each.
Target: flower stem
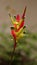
(12, 53)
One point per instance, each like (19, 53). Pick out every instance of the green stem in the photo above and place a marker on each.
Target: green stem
(12, 53)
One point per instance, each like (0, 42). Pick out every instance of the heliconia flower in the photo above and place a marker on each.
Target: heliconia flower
(18, 26)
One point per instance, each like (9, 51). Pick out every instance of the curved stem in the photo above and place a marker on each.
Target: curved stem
(12, 53)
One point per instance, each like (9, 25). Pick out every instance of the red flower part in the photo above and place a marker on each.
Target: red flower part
(22, 24)
(13, 34)
(15, 26)
(18, 18)
(24, 13)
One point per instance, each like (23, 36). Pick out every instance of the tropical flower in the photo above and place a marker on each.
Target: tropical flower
(18, 26)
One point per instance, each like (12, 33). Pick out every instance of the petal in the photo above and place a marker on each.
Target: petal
(24, 13)
(21, 25)
(13, 34)
(18, 18)
(19, 32)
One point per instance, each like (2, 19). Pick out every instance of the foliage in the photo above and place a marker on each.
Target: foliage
(26, 48)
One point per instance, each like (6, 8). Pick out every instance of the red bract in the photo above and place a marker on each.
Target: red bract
(23, 16)
(13, 33)
(21, 25)
(18, 18)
